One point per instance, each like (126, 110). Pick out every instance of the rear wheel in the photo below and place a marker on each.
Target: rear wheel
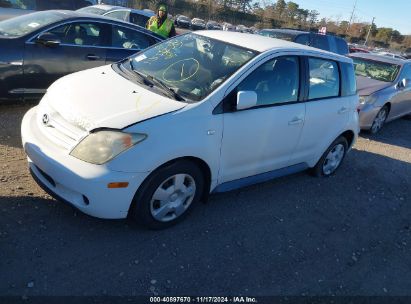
(379, 120)
(332, 159)
(168, 195)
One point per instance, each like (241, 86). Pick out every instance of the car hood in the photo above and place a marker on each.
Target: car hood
(101, 98)
(367, 86)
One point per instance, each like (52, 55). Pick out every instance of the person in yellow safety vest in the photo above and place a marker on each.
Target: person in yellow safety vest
(160, 24)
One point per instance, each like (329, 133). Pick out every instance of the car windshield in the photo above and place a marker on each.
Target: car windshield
(22, 25)
(184, 18)
(278, 35)
(191, 65)
(20, 4)
(92, 10)
(377, 70)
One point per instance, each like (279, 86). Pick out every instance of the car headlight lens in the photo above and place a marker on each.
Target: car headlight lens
(102, 146)
(365, 99)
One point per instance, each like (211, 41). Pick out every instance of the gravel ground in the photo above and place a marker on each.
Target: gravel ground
(345, 235)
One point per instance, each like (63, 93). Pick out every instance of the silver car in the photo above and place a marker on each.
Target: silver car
(384, 86)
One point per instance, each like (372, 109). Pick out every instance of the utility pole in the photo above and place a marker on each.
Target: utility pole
(352, 16)
(369, 31)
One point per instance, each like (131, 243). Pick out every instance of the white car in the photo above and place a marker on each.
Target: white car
(156, 133)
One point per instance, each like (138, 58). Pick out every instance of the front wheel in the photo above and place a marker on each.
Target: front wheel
(332, 159)
(168, 195)
(379, 120)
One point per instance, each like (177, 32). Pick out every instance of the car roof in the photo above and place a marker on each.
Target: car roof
(381, 58)
(262, 43)
(286, 31)
(106, 7)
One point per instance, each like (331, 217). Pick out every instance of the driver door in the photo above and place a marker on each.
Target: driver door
(263, 138)
(81, 47)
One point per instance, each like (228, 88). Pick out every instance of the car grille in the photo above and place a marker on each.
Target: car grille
(59, 130)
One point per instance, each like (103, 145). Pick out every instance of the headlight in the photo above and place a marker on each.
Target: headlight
(102, 146)
(365, 99)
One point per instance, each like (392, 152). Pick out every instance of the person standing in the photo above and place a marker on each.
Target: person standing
(160, 24)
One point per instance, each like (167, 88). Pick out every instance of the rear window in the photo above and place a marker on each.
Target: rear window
(342, 46)
(320, 42)
(303, 39)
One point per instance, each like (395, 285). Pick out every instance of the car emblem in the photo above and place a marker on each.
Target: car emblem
(45, 119)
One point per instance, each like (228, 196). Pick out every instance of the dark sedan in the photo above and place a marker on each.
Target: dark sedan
(38, 48)
(183, 21)
(198, 24)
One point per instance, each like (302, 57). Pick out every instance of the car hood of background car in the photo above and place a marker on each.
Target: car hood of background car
(101, 98)
(367, 86)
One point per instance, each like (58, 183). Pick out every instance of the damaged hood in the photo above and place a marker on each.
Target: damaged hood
(367, 86)
(101, 98)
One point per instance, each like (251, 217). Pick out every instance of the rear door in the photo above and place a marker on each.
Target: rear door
(82, 47)
(327, 113)
(127, 41)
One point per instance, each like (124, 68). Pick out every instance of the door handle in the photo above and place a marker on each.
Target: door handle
(92, 57)
(343, 110)
(295, 121)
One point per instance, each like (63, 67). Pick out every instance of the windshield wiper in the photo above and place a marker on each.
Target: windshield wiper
(152, 81)
(170, 91)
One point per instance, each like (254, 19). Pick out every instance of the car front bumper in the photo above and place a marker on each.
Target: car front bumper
(81, 184)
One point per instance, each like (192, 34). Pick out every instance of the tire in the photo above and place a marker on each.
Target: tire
(324, 166)
(379, 120)
(168, 195)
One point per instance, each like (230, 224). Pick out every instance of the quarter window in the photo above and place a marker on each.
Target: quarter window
(324, 78)
(275, 82)
(128, 39)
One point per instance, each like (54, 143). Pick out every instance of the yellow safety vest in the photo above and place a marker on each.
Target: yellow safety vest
(164, 30)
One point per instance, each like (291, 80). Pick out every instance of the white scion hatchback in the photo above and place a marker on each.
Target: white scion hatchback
(154, 134)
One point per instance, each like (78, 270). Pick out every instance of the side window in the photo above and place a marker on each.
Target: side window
(276, 81)
(320, 42)
(138, 19)
(120, 15)
(324, 78)
(303, 39)
(348, 83)
(87, 34)
(129, 39)
(342, 47)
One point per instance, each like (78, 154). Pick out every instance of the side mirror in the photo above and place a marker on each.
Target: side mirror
(404, 83)
(246, 100)
(48, 39)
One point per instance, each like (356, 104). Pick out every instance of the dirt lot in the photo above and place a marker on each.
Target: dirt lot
(346, 235)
